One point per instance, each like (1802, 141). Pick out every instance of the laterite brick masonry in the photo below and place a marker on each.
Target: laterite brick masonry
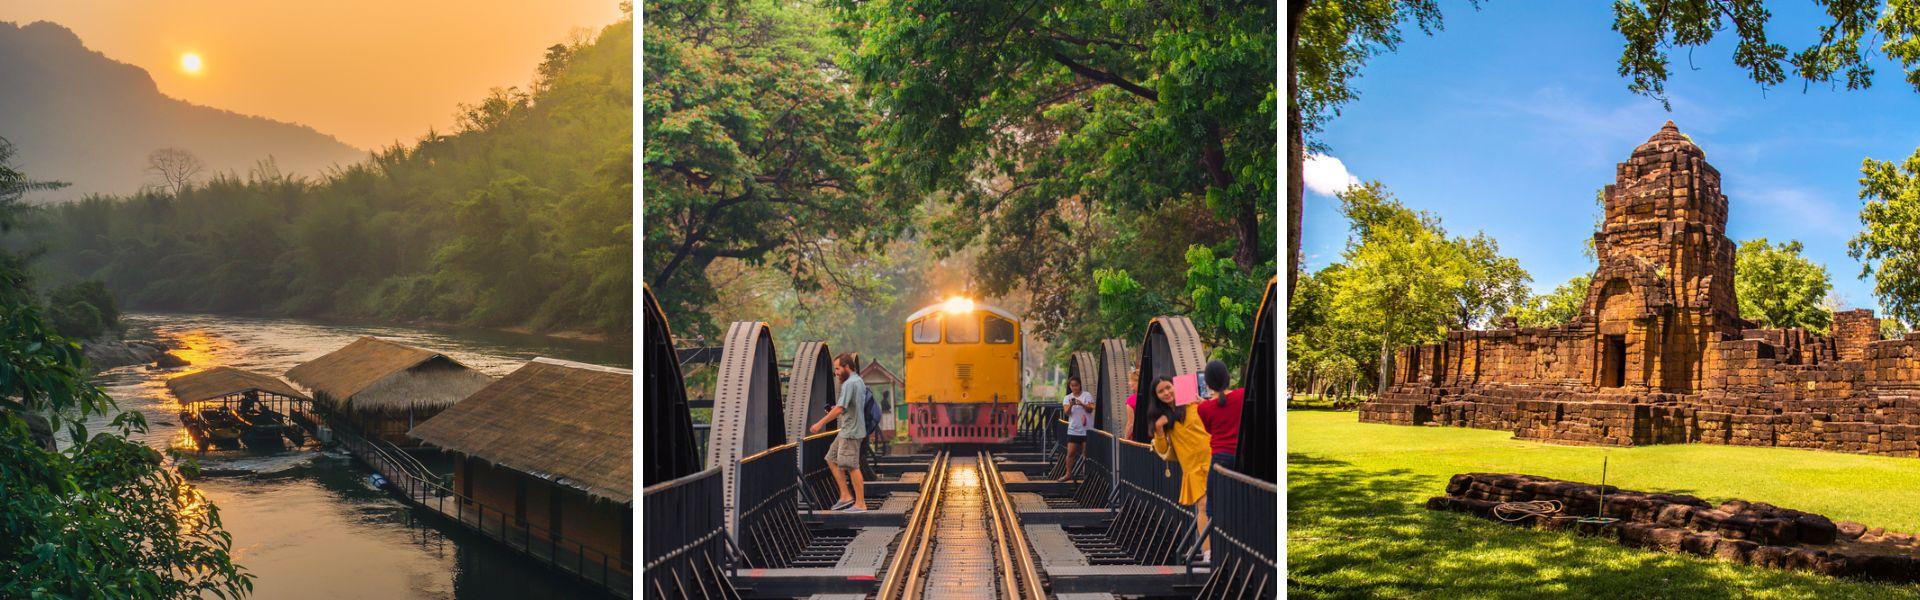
(1659, 353)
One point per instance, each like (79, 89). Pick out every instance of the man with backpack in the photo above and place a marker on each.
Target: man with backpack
(844, 455)
(870, 408)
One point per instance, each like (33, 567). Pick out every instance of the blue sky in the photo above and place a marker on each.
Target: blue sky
(1513, 116)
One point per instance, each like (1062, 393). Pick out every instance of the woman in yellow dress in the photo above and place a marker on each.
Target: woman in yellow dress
(1178, 432)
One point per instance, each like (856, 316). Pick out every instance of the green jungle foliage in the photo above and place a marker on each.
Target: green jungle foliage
(1087, 147)
(1556, 307)
(1886, 246)
(521, 217)
(93, 515)
(1777, 287)
(1401, 281)
(1099, 147)
(752, 154)
(83, 311)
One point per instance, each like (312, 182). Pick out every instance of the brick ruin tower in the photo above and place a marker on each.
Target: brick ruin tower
(1664, 287)
(1658, 353)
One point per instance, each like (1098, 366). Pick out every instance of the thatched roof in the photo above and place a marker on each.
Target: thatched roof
(222, 381)
(566, 422)
(376, 374)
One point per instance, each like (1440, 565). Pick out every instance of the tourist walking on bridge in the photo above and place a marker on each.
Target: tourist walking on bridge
(1079, 420)
(843, 455)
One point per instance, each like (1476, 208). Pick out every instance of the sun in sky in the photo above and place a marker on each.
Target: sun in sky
(190, 62)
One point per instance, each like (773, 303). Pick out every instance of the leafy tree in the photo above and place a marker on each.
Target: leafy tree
(1322, 353)
(1891, 329)
(1777, 287)
(1402, 276)
(1493, 283)
(100, 516)
(1109, 138)
(1886, 246)
(1120, 103)
(1652, 27)
(1557, 307)
(754, 143)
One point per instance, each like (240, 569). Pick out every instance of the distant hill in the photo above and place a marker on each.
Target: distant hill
(77, 116)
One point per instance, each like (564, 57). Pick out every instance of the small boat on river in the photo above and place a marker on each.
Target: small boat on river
(224, 407)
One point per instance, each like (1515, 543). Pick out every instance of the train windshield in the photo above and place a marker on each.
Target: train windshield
(963, 329)
(999, 331)
(927, 330)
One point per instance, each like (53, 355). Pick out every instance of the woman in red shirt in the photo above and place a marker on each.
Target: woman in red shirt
(1220, 411)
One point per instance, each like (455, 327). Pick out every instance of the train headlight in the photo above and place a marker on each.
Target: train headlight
(958, 305)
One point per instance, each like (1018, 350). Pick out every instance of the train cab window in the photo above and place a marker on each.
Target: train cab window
(999, 331)
(927, 330)
(963, 329)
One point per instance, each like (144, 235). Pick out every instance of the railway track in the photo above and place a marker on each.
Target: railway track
(963, 533)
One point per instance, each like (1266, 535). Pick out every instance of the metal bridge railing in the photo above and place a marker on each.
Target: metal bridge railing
(1097, 483)
(769, 532)
(687, 559)
(1245, 511)
(1035, 425)
(820, 491)
(1149, 527)
(542, 544)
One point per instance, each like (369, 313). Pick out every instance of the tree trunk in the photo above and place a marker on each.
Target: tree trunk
(1384, 356)
(1296, 148)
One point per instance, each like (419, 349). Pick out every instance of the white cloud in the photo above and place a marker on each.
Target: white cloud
(1326, 175)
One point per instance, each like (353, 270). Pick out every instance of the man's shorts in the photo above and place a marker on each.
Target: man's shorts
(844, 452)
(1076, 438)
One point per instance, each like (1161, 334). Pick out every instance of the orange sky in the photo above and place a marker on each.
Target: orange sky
(369, 72)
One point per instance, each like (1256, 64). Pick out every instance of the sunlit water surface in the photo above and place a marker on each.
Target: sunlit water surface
(305, 523)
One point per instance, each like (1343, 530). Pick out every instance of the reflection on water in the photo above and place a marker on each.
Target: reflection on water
(305, 522)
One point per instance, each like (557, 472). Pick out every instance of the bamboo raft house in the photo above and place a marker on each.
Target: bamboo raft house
(224, 406)
(549, 448)
(383, 389)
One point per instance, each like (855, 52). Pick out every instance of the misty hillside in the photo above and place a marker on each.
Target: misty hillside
(77, 116)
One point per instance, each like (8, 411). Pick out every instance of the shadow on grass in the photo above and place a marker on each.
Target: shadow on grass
(1358, 533)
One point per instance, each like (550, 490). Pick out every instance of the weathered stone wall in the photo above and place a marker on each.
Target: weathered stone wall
(1738, 531)
(1853, 330)
(1658, 354)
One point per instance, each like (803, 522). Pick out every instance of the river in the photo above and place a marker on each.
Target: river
(305, 523)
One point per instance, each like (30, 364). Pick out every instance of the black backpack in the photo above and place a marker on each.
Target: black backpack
(872, 411)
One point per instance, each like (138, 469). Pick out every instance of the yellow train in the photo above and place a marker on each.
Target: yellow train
(962, 371)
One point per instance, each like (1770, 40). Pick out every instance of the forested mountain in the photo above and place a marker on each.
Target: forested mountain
(88, 120)
(520, 217)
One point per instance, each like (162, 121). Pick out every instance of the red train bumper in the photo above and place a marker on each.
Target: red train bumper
(962, 423)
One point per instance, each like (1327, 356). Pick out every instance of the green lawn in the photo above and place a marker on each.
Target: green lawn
(1357, 526)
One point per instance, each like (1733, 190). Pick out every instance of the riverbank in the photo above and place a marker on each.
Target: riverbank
(112, 353)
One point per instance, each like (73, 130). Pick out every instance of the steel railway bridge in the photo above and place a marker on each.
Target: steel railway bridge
(742, 515)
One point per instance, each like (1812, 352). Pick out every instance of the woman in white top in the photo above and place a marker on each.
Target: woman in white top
(1079, 420)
